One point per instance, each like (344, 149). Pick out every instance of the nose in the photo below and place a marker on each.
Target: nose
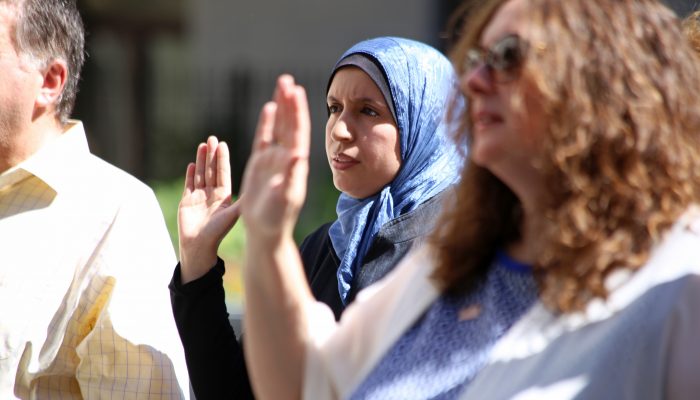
(476, 81)
(340, 129)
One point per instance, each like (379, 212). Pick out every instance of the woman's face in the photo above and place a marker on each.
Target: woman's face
(362, 140)
(507, 119)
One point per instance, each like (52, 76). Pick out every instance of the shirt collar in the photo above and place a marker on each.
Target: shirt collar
(53, 162)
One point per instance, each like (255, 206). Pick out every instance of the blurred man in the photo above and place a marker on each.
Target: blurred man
(85, 258)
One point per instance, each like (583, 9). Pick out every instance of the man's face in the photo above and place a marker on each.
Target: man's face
(20, 82)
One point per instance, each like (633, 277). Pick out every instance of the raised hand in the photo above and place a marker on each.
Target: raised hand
(206, 212)
(277, 293)
(274, 183)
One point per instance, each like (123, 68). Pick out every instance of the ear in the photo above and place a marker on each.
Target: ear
(54, 80)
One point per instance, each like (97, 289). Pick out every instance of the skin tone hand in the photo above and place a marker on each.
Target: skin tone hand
(206, 212)
(275, 177)
(277, 293)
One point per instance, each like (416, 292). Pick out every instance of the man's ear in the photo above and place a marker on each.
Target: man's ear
(55, 75)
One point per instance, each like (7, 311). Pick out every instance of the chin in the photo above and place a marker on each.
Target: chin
(484, 156)
(343, 187)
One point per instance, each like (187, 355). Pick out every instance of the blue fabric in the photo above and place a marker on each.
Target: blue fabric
(506, 261)
(422, 83)
(444, 350)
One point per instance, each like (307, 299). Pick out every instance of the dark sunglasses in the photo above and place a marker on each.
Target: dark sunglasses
(503, 60)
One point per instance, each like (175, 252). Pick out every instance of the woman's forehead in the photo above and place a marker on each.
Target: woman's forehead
(352, 78)
(508, 19)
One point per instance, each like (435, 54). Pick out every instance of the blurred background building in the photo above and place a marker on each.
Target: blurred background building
(163, 74)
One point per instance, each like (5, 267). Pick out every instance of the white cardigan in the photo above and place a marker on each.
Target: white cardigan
(340, 355)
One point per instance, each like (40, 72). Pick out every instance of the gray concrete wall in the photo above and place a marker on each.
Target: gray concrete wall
(300, 32)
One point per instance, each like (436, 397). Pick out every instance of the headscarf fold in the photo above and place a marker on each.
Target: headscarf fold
(422, 82)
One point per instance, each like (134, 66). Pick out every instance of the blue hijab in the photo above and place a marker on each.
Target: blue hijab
(422, 82)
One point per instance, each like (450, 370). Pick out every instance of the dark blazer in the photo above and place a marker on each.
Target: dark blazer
(215, 358)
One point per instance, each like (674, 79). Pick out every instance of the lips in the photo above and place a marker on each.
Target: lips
(343, 161)
(485, 119)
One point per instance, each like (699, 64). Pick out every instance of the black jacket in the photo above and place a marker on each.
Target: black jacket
(214, 356)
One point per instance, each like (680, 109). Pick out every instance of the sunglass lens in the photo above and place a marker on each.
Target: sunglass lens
(506, 55)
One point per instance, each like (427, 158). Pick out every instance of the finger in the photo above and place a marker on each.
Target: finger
(210, 168)
(189, 180)
(263, 132)
(283, 124)
(302, 139)
(295, 180)
(223, 164)
(284, 82)
(292, 122)
(200, 164)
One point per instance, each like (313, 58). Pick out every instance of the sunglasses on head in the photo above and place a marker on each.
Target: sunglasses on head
(503, 60)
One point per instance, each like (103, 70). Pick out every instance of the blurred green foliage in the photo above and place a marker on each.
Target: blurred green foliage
(169, 193)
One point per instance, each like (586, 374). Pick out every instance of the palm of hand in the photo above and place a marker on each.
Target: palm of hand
(275, 188)
(206, 213)
(201, 212)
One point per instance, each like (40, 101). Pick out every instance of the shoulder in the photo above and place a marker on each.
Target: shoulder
(133, 208)
(412, 273)
(112, 178)
(418, 222)
(106, 186)
(426, 213)
(318, 256)
(677, 255)
(316, 238)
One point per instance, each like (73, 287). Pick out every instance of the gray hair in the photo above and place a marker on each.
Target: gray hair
(47, 30)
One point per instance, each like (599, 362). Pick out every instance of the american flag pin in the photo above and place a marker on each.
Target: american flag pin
(469, 312)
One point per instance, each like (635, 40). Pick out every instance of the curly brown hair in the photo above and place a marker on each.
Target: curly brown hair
(691, 28)
(622, 151)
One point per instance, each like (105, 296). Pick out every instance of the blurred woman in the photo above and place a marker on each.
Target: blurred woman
(391, 158)
(584, 164)
(613, 86)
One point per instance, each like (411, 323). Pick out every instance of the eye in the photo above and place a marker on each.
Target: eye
(473, 59)
(370, 112)
(507, 54)
(333, 108)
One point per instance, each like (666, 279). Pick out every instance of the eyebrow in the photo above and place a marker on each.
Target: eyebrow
(369, 100)
(482, 47)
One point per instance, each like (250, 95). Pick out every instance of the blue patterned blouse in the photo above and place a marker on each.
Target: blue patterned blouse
(443, 351)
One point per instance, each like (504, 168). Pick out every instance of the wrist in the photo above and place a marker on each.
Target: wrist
(195, 264)
(270, 248)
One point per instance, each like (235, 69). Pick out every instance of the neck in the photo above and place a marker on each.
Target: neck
(23, 142)
(532, 195)
(527, 247)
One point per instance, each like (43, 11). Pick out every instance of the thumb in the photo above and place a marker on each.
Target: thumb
(230, 214)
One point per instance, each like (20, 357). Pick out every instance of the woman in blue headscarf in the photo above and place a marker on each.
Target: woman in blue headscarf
(391, 158)
(388, 148)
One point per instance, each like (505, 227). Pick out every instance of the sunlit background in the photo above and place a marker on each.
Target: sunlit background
(163, 74)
